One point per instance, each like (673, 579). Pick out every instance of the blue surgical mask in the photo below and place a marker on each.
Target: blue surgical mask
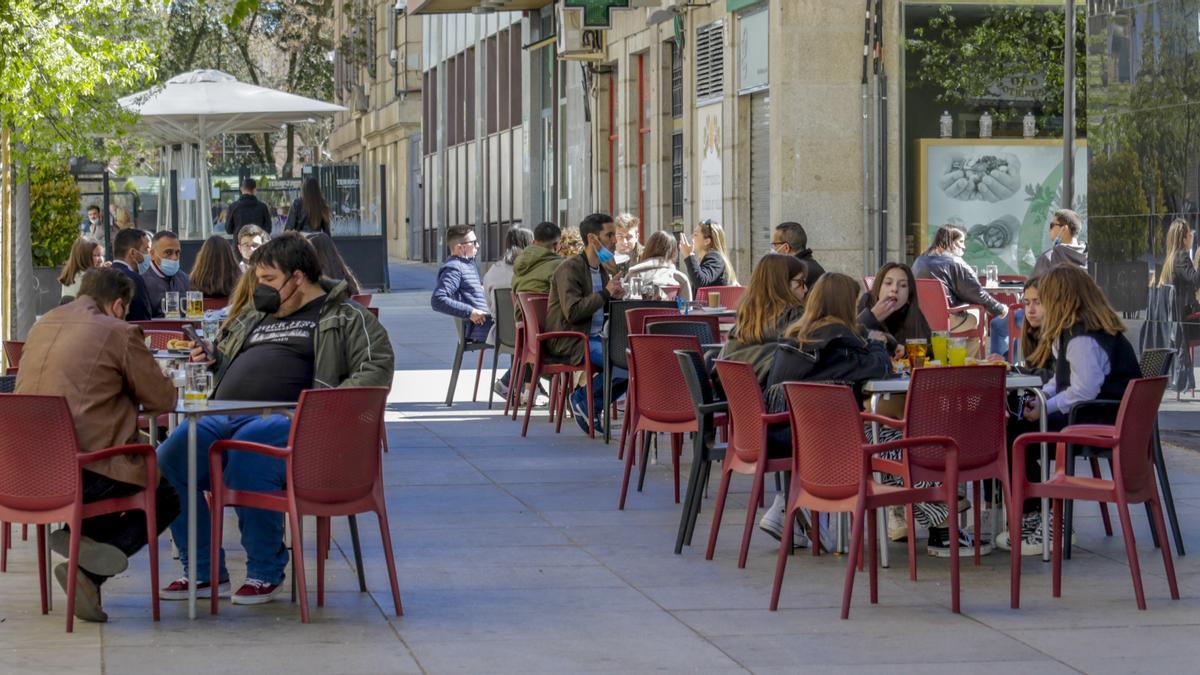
(144, 264)
(604, 255)
(169, 267)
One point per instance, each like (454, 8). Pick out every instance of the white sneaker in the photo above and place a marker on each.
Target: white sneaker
(772, 524)
(500, 388)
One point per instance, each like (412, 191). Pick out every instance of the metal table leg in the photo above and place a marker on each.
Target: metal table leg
(191, 520)
(884, 560)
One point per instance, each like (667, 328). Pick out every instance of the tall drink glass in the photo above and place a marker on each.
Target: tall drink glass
(939, 342)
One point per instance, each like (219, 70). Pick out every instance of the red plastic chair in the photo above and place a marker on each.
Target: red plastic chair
(730, 295)
(12, 354)
(533, 309)
(966, 404)
(747, 452)
(1132, 481)
(160, 338)
(518, 365)
(213, 304)
(45, 487)
(635, 319)
(334, 468)
(709, 320)
(658, 400)
(363, 299)
(831, 467)
(935, 305)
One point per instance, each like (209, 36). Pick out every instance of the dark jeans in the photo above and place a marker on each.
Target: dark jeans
(1033, 456)
(125, 530)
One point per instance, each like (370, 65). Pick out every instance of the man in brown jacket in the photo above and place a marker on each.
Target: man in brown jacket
(579, 294)
(85, 352)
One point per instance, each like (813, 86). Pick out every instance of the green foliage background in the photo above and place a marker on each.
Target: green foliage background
(54, 206)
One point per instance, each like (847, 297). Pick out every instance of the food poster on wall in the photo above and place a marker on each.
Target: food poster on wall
(708, 131)
(1001, 191)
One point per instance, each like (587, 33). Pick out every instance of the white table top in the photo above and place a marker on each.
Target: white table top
(898, 385)
(230, 407)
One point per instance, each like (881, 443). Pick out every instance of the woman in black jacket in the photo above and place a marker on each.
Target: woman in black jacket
(310, 213)
(705, 258)
(1179, 271)
(773, 301)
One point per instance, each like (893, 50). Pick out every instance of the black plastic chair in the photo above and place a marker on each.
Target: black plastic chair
(8, 384)
(506, 338)
(706, 450)
(697, 329)
(465, 346)
(1154, 363)
(616, 342)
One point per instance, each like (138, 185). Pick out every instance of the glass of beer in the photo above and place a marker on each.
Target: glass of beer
(939, 342)
(170, 305)
(993, 275)
(916, 349)
(714, 300)
(957, 353)
(197, 385)
(195, 305)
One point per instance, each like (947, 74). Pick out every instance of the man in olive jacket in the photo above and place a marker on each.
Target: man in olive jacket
(579, 295)
(302, 332)
(535, 267)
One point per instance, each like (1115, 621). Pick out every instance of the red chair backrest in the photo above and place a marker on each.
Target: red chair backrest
(374, 311)
(931, 295)
(827, 439)
(12, 352)
(635, 319)
(363, 299)
(1135, 423)
(38, 446)
(746, 408)
(533, 313)
(966, 403)
(730, 295)
(211, 304)
(160, 338)
(659, 388)
(335, 443)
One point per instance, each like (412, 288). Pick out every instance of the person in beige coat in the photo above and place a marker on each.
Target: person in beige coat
(85, 352)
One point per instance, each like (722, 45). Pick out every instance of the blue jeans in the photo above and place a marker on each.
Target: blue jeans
(262, 531)
(998, 342)
(620, 379)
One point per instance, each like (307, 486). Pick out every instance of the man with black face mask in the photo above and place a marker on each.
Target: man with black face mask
(302, 332)
(103, 392)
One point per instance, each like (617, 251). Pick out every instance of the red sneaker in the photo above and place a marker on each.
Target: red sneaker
(256, 592)
(178, 590)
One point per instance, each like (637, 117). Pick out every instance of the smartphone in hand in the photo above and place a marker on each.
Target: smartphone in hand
(189, 331)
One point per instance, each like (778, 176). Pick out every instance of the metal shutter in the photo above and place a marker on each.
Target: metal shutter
(710, 61)
(760, 174)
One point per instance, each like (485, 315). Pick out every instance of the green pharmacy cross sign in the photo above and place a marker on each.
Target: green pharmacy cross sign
(596, 13)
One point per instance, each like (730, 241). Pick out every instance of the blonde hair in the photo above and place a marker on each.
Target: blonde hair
(1069, 297)
(716, 234)
(626, 221)
(122, 219)
(570, 243)
(768, 297)
(1176, 241)
(830, 301)
(243, 294)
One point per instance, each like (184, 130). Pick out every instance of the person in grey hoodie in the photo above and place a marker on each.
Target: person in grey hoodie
(1065, 249)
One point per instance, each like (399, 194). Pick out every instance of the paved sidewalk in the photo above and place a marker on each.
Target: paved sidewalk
(513, 558)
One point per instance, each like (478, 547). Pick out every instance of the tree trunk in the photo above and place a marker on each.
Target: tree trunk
(24, 285)
(290, 157)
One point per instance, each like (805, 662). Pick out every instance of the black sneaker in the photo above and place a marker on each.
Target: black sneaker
(581, 415)
(939, 543)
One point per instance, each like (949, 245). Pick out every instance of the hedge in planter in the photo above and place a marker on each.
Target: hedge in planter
(54, 213)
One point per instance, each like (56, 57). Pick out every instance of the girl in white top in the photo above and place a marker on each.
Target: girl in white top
(86, 253)
(500, 274)
(658, 265)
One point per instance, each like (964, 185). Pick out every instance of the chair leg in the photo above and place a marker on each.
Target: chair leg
(388, 556)
(645, 460)
(492, 386)
(1068, 507)
(215, 536)
(718, 511)
(478, 372)
(751, 512)
(458, 357)
(1014, 557)
(693, 492)
(1168, 564)
(322, 553)
(625, 480)
(1160, 466)
(358, 559)
(591, 403)
(1095, 462)
(298, 562)
(529, 402)
(72, 570)
(1135, 570)
(628, 421)
(856, 535)
(873, 548)
(151, 511)
(676, 451)
(24, 532)
(43, 582)
(977, 508)
(1057, 547)
(785, 549)
(951, 486)
(5, 533)
(910, 514)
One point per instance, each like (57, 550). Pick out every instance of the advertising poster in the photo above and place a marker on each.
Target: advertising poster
(708, 130)
(1001, 191)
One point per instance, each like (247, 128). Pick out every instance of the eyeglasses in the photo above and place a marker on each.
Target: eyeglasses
(470, 242)
(777, 244)
(797, 282)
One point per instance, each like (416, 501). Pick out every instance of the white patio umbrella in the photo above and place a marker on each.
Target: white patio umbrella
(191, 108)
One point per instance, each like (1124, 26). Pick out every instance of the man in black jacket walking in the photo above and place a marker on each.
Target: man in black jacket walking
(248, 210)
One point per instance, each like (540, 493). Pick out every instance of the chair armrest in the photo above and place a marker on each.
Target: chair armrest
(1060, 439)
(885, 421)
(541, 337)
(1098, 405)
(144, 449)
(220, 447)
(957, 309)
(777, 418)
(713, 408)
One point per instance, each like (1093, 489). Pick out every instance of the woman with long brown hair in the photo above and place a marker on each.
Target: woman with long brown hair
(310, 213)
(657, 266)
(1179, 271)
(773, 301)
(891, 307)
(215, 272)
(86, 254)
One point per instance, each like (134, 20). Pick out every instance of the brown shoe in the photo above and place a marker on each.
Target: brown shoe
(87, 595)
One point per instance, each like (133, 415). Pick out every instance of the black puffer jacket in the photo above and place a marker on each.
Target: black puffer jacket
(834, 353)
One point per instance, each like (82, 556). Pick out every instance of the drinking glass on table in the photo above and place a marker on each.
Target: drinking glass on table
(993, 275)
(198, 385)
(714, 300)
(957, 353)
(916, 349)
(195, 305)
(170, 305)
(211, 326)
(939, 342)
